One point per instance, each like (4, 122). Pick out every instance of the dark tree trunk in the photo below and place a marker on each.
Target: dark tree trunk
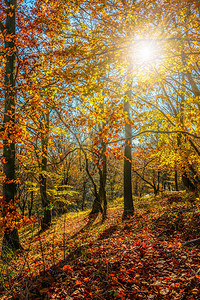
(100, 196)
(30, 205)
(47, 212)
(11, 237)
(128, 198)
(155, 190)
(155, 187)
(185, 176)
(96, 208)
(10, 242)
(176, 180)
(187, 182)
(46, 204)
(102, 187)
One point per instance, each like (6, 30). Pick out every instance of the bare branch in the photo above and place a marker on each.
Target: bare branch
(196, 241)
(156, 107)
(155, 131)
(63, 158)
(149, 183)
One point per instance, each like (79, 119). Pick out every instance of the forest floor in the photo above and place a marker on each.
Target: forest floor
(142, 258)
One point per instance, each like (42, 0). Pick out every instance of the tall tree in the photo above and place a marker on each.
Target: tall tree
(128, 197)
(11, 237)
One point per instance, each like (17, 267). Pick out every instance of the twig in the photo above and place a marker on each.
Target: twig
(157, 219)
(195, 241)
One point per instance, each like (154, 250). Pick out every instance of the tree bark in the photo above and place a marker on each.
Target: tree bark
(11, 237)
(46, 205)
(176, 180)
(128, 198)
(30, 205)
(185, 176)
(96, 208)
(46, 219)
(187, 182)
(102, 187)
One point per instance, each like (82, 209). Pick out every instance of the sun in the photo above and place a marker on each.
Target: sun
(144, 51)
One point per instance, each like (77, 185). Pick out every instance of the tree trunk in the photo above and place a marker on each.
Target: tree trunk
(155, 191)
(100, 196)
(103, 178)
(176, 180)
(46, 220)
(187, 182)
(96, 208)
(46, 204)
(128, 198)
(30, 205)
(185, 176)
(11, 237)
(10, 242)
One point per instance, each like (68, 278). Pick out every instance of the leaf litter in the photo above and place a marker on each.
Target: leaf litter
(142, 258)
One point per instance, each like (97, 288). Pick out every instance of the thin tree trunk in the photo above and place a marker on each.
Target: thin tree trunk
(30, 205)
(176, 180)
(103, 178)
(11, 237)
(46, 220)
(46, 205)
(96, 208)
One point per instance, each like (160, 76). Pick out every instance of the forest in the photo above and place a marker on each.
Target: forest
(100, 149)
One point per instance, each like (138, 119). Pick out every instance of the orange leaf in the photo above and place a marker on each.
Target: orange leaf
(78, 282)
(67, 268)
(86, 279)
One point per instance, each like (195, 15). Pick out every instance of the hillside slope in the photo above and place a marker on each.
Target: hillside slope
(142, 258)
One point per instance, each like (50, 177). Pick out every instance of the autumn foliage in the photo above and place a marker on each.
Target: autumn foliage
(99, 101)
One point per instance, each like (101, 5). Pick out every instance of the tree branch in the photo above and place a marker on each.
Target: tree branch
(194, 146)
(156, 107)
(196, 241)
(155, 131)
(149, 183)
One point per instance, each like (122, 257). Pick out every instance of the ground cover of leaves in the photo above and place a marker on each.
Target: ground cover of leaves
(142, 258)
